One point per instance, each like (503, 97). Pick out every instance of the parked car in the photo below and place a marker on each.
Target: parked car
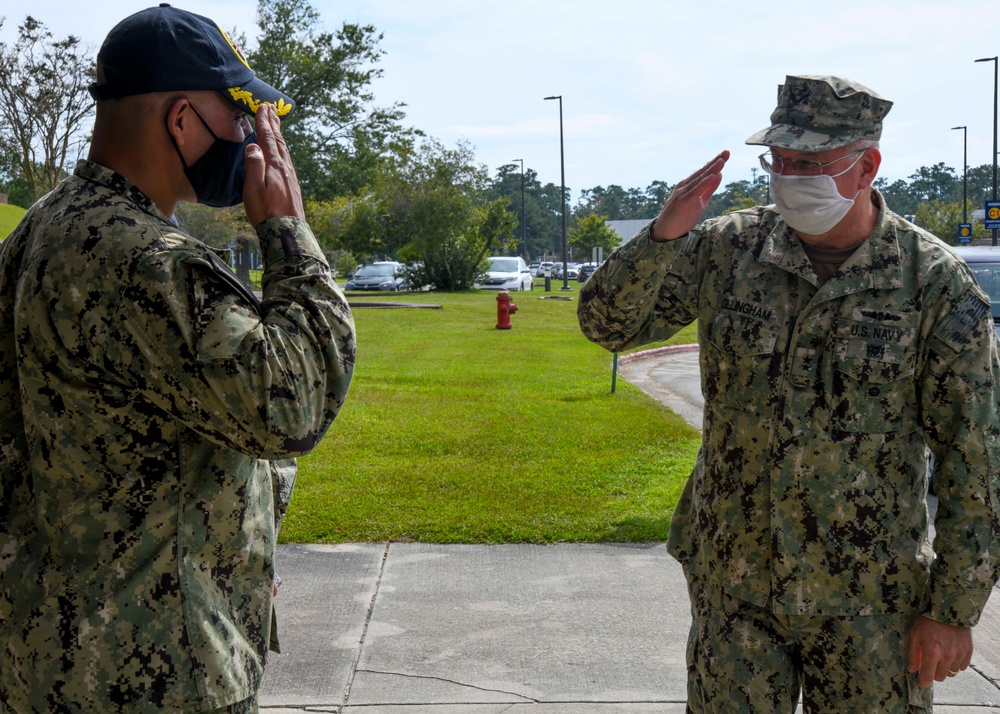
(586, 270)
(985, 264)
(544, 268)
(572, 271)
(383, 275)
(506, 273)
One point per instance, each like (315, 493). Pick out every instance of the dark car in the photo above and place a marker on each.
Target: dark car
(984, 261)
(586, 270)
(377, 276)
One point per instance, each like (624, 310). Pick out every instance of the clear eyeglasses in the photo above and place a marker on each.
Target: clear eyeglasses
(800, 167)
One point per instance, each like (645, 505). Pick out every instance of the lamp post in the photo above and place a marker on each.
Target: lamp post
(562, 173)
(995, 62)
(524, 239)
(965, 170)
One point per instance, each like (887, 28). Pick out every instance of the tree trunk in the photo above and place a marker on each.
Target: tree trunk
(243, 259)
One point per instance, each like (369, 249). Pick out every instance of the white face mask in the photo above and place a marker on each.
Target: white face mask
(811, 204)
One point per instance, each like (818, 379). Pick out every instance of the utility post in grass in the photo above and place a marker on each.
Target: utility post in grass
(562, 173)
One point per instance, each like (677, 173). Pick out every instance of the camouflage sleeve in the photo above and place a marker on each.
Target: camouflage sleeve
(15, 481)
(264, 378)
(960, 408)
(283, 474)
(644, 292)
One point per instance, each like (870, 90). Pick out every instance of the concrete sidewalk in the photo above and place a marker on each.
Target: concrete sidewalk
(411, 628)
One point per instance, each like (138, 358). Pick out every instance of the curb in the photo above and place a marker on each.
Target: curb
(390, 305)
(656, 352)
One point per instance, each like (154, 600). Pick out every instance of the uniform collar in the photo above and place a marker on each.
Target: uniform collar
(874, 265)
(114, 181)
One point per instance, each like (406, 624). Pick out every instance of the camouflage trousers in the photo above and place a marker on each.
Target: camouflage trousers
(745, 658)
(247, 706)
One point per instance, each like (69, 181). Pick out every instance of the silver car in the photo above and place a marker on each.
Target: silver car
(506, 273)
(984, 261)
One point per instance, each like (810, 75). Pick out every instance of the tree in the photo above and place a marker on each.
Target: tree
(13, 183)
(543, 229)
(44, 105)
(657, 194)
(452, 261)
(353, 223)
(591, 232)
(436, 203)
(494, 223)
(935, 182)
(617, 203)
(942, 218)
(327, 220)
(428, 205)
(737, 196)
(898, 196)
(980, 184)
(337, 138)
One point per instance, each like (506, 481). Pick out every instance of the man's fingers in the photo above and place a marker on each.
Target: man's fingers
(266, 130)
(707, 187)
(713, 167)
(272, 188)
(254, 165)
(687, 202)
(938, 651)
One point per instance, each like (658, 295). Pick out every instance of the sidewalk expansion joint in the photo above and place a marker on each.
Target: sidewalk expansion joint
(364, 629)
(456, 683)
(982, 674)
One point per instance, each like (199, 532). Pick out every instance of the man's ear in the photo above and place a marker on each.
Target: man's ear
(870, 162)
(179, 115)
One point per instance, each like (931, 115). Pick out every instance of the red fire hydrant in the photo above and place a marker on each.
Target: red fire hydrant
(505, 308)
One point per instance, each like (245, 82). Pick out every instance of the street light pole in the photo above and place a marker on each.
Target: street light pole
(524, 239)
(996, 63)
(562, 172)
(965, 170)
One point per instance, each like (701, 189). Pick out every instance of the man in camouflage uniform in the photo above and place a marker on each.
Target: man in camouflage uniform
(148, 399)
(838, 342)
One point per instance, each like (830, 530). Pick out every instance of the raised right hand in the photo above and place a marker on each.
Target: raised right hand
(272, 188)
(687, 202)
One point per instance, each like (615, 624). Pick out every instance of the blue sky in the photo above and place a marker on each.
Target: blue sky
(651, 89)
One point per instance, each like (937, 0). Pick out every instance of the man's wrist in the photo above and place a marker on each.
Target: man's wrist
(658, 238)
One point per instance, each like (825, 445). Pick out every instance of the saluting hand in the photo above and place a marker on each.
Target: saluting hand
(272, 188)
(687, 202)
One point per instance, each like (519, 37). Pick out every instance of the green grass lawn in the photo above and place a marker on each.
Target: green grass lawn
(456, 432)
(10, 216)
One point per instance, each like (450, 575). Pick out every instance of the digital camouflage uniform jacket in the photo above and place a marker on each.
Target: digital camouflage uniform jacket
(143, 392)
(808, 495)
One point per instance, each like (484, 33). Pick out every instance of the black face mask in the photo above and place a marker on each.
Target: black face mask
(218, 176)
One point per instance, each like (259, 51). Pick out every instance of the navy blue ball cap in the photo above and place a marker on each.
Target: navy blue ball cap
(164, 49)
